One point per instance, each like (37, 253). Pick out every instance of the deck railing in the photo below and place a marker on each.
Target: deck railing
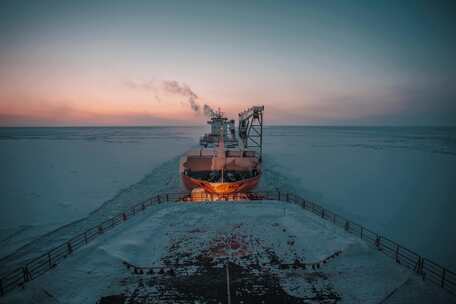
(427, 269)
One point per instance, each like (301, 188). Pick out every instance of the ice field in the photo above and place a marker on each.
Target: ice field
(396, 181)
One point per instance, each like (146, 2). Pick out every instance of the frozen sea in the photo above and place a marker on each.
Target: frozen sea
(398, 181)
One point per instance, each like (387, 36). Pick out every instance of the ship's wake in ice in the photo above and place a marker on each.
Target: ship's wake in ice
(160, 180)
(163, 179)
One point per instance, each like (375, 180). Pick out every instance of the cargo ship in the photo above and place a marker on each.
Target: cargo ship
(226, 162)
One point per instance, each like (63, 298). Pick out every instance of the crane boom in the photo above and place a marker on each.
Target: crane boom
(250, 128)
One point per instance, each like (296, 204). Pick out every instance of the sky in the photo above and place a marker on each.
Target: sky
(89, 63)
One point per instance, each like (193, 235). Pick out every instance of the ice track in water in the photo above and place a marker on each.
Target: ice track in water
(162, 179)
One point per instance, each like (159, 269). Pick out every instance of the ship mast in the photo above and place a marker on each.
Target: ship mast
(221, 149)
(218, 162)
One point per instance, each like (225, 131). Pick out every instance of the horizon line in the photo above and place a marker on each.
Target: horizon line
(270, 125)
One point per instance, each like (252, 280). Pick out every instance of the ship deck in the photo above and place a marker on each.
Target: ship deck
(254, 252)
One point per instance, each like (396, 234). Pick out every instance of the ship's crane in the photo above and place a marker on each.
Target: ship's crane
(251, 129)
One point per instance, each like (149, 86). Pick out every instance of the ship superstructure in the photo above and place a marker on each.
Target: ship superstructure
(226, 162)
(220, 126)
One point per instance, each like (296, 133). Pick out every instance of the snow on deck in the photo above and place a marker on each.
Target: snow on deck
(274, 251)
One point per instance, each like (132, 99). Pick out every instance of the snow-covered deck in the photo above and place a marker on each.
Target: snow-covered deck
(276, 251)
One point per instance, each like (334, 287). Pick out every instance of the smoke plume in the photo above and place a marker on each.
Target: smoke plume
(174, 87)
(208, 111)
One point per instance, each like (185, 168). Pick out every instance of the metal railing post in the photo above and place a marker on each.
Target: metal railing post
(418, 265)
(422, 266)
(422, 269)
(377, 242)
(442, 283)
(26, 273)
(397, 254)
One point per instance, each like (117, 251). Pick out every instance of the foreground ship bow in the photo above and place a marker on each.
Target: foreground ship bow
(224, 163)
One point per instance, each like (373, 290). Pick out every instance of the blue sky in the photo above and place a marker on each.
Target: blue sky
(308, 62)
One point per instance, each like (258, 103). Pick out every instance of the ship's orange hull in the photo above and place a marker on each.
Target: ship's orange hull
(221, 188)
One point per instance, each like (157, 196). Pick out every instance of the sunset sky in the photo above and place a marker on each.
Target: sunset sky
(65, 63)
